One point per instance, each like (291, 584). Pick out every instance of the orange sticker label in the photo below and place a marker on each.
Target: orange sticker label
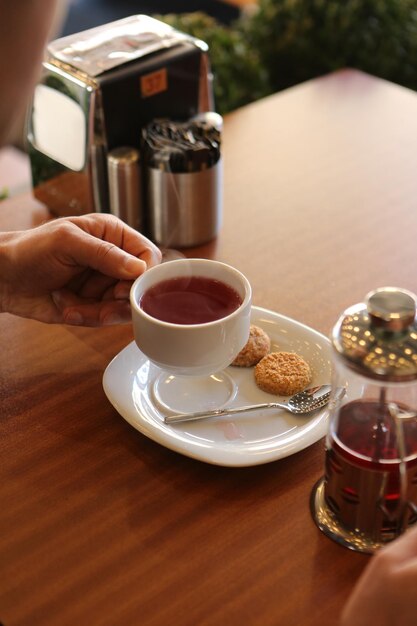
(153, 83)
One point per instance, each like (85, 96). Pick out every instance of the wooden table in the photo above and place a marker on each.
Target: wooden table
(101, 526)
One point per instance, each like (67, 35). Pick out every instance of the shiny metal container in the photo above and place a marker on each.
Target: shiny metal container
(185, 209)
(125, 186)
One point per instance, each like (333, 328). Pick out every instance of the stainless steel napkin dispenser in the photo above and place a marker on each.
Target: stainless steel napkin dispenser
(98, 89)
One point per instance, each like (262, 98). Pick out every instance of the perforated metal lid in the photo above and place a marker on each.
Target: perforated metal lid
(378, 338)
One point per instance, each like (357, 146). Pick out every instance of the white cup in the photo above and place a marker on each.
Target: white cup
(192, 349)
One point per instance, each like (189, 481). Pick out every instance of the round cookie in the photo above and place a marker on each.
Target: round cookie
(282, 373)
(257, 346)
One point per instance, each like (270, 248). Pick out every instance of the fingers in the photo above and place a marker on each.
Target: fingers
(121, 290)
(95, 286)
(106, 258)
(81, 311)
(112, 307)
(104, 313)
(76, 270)
(112, 230)
(151, 256)
(390, 579)
(402, 549)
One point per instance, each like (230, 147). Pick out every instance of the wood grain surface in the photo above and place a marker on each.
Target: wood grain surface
(99, 526)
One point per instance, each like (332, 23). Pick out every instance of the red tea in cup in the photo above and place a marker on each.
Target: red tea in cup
(190, 300)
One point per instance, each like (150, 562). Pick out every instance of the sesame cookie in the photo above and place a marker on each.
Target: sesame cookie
(257, 347)
(282, 373)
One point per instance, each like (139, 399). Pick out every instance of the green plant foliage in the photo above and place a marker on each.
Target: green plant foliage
(288, 41)
(300, 39)
(238, 76)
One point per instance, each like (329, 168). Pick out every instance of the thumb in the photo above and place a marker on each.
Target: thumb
(106, 257)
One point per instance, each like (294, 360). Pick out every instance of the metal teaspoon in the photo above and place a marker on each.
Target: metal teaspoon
(300, 403)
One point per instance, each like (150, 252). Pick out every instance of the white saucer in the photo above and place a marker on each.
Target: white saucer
(248, 439)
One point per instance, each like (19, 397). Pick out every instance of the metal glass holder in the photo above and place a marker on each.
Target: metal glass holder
(328, 523)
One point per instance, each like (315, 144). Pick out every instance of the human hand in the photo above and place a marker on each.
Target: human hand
(387, 590)
(73, 270)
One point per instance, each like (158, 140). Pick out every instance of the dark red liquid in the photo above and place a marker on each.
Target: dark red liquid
(366, 435)
(190, 300)
(363, 486)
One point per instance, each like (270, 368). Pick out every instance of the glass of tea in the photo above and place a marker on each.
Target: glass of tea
(191, 317)
(368, 495)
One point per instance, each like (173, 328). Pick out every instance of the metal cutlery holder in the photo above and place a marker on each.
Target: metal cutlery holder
(184, 209)
(183, 180)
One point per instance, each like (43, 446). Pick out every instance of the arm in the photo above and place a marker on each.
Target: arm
(386, 593)
(24, 29)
